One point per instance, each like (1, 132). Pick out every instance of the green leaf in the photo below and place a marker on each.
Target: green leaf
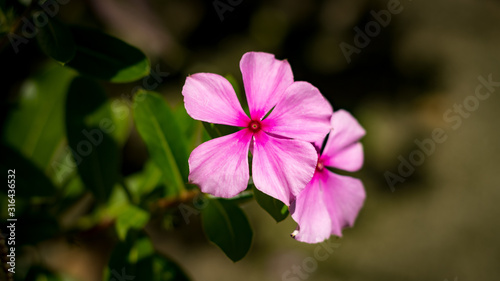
(118, 202)
(95, 152)
(121, 116)
(55, 40)
(105, 57)
(135, 258)
(109, 120)
(241, 98)
(112, 117)
(119, 263)
(272, 206)
(142, 248)
(242, 197)
(193, 130)
(29, 181)
(145, 181)
(130, 217)
(166, 270)
(235, 85)
(218, 130)
(118, 208)
(40, 114)
(159, 130)
(226, 225)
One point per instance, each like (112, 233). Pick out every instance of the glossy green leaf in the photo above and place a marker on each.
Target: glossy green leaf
(159, 130)
(130, 217)
(36, 126)
(272, 206)
(105, 57)
(29, 180)
(95, 152)
(56, 40)
(227, 226)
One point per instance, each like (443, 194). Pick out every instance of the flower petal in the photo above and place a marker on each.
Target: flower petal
(343, 197)
(220, 166)
(265, 79)
(346, 131)
(344, 136)
(211, 98)
(303, 114)
(282, 168)
(311, 214)
(348, 159)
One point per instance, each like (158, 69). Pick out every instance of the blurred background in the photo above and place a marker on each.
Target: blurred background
(402, 81)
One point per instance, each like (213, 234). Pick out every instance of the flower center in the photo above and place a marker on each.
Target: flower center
(254, 126)
(320, 166)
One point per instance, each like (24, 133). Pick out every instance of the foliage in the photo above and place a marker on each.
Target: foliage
(64, 136)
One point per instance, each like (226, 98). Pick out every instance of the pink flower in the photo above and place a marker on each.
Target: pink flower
(283, 157)
(331, 202)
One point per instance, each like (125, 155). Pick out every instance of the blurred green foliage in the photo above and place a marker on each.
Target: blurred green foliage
(64, 136)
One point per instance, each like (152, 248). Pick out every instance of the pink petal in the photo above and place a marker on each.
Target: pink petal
(303, 114)
(343, 197)
(348, 159)
(220, 166)
(329, 203)
(282, 168)
(311, 214)
(341, 150)
(211, 98)
(265, 79)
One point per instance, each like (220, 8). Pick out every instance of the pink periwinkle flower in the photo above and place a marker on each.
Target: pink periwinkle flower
(284, 159)
(331, 202)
